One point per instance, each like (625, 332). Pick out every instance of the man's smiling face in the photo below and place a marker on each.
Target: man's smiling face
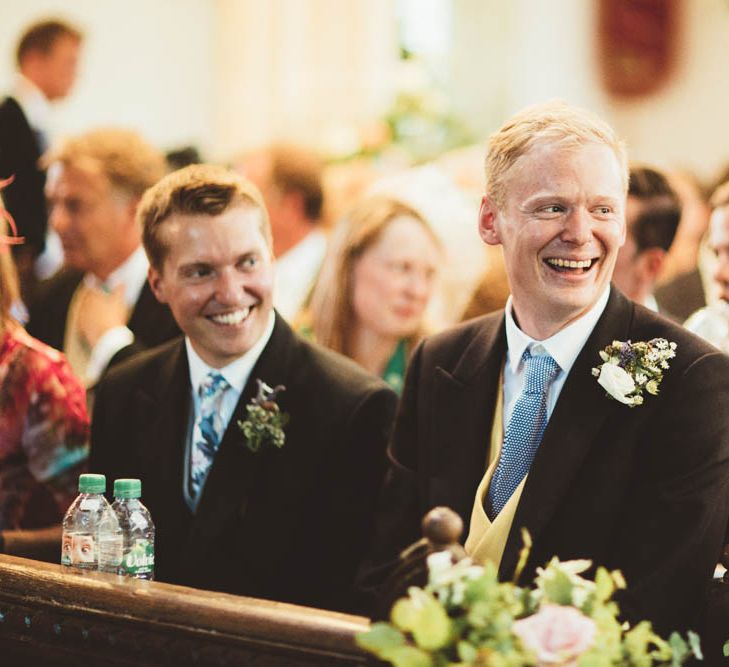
(561, 225)
(217, 278)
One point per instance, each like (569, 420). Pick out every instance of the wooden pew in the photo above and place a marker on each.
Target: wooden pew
(50, 615)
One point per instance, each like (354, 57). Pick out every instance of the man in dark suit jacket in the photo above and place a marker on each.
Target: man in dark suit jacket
(47, 57)
(288, 523)
(641, 488)
(99, 306)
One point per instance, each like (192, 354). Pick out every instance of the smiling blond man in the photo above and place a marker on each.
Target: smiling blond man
(503, 420)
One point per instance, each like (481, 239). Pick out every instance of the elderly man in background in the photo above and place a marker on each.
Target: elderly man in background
(652, 213)
(47, 59)
(99, 306)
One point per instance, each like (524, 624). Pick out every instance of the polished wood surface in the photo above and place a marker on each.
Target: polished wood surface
(51, 615)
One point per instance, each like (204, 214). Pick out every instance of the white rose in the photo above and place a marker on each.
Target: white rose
(617, 383)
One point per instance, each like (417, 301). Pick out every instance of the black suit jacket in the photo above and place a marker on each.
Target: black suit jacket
(642, 489)
(288, 524)
(19, 154)
(151, 322)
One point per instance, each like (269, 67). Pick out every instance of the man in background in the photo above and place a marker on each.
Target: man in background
(652, 214)
(290, 180)
(47, 59)
(99, 305)
(712, 322)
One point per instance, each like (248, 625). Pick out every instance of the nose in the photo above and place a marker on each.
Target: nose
(228, 288)
(418, 285)
(577, 227)
(721, 273)
(58, 217)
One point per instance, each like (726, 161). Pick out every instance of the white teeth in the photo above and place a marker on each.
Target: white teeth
(236, 317)
(570, 263)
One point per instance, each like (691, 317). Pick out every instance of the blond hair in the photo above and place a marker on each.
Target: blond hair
(129, 163)
(331, 314)
(549, 122)
(197, 189)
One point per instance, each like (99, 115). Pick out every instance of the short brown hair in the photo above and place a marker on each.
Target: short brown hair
(123, 156)
(41, 36)
(198, 189)
(331, 311)
(296, 169)
(549, 122)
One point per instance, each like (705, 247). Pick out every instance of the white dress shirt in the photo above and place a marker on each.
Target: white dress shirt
(132, 274)
(236, 374)
(296, 271)
(563, 347)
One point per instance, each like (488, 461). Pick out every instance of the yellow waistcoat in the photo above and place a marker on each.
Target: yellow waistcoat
(486, 540)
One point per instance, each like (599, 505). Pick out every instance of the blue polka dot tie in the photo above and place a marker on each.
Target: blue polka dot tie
(524, 432)
(208, 430)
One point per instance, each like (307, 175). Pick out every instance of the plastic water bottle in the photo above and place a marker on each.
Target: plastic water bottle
(137, 530)
(90, 527)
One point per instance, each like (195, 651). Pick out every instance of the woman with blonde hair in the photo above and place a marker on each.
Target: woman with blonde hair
(370, 298)
(44, 425)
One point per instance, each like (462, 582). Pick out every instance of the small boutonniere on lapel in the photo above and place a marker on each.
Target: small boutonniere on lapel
(630, 368)
(264, 426)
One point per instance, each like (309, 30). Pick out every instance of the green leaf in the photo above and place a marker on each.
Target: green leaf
(695, 645)
(604, 585)
(432, 627)
(404, 614)
(408, 656)
(467, 652)
(725, 649)
(381, 637)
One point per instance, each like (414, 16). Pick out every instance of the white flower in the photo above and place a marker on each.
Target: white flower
(617, 383)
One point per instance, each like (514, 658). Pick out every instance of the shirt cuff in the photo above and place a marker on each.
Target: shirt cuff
(106, 347)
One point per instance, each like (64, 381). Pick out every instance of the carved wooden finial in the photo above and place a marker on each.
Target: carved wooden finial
(442, 527)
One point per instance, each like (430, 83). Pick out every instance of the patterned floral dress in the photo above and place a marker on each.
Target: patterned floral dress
(44, 428)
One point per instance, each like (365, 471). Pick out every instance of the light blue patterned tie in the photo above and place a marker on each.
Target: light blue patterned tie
(524, 432)
(208, 430)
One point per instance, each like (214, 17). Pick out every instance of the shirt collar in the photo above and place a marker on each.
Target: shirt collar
(563, 347)
(236, 373)
(132, 273)
(35, 105)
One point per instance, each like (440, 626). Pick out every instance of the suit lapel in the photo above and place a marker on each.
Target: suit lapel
(580, 412)
(236, 470)
(464, 404)
(163, 438)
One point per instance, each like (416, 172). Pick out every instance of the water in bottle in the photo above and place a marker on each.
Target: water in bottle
(87, 526)
(137, 530)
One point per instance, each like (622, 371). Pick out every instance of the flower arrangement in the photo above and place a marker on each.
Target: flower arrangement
(265, 422)
(465, 616)
(631, 368)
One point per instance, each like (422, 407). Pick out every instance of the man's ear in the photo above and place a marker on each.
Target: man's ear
(486, 221)
(156, 283)
(652, 261)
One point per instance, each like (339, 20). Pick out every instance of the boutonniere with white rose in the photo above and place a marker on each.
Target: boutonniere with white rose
(265, 422)
(629, 368)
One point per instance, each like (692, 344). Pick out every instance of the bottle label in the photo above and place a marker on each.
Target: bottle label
(78, 549)
(139, 558)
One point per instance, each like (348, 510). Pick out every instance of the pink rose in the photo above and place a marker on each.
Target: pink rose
(558, 635)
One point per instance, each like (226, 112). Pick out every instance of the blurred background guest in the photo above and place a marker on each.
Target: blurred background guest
(47, 58)
(290, 180)
(99, 306)
(652, 215)
(43, 425)
(712, 322)
(374, 287)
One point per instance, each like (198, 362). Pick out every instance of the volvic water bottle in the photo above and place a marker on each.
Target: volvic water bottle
(87, 514)
(137, 529)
